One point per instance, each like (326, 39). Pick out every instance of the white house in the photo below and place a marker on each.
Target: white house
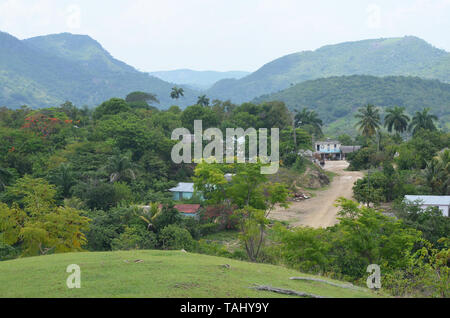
(333, 149)
(440, 201)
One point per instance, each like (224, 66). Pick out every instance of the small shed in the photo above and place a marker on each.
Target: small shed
(440, 201)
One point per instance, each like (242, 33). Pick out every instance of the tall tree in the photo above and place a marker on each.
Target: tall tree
(249, 194)
(310, 118)
(369, 120)
(141, 97)
(176, 92)
(203, 100)
(396, 119)
(422, 120)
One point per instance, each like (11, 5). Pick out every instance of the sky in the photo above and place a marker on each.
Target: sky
(224, 35)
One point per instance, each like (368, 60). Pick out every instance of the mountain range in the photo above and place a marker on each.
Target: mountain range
(48, 70)
(200, 80)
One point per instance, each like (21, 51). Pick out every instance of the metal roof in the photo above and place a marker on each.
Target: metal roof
(430, 199)
(349, 149)
(183, 187)
(327, 142)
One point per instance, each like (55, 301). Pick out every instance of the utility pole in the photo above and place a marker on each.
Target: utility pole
(294, 132)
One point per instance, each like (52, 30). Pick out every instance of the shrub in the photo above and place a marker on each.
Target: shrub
(134, 238)
(173, 237)
(7, 252)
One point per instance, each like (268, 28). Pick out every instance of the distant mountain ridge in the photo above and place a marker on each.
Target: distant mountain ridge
(408, 56)
(197, 79)
(48, 70)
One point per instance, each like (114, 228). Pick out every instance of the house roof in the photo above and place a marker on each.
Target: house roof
(327, 142)
(183, 187)
(430, 199)
(187, 208)
(349, 149)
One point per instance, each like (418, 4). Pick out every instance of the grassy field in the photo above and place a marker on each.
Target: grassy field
(158, 274)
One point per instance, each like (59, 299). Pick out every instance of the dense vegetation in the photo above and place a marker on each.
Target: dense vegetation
(407, 56)
(48, 70)
(76, 179)
(70, 165)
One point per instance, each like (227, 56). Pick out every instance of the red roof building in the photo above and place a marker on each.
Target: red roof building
(190, 209)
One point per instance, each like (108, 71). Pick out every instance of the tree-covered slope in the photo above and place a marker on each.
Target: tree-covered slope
(380, 57)
(337, 98)
(48, 70)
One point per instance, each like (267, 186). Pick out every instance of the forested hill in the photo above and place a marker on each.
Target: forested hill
(380, 57)
(339, 97)
(48, 70)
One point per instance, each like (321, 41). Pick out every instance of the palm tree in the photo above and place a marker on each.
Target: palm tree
(437, 173)
(422, 120)
(203, 100)
(64, 178)
(5, 176)
(396, 119)
(309, 117)
(176, 92)
(369, 120)
(120, 167)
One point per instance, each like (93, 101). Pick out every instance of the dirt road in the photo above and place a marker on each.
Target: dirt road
(320, 211)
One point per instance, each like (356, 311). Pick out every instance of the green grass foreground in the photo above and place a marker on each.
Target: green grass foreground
(159, 274)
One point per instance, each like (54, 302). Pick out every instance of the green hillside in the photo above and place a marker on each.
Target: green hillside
(380, 57)
(157, 274)
(48, 70)
(336, 99)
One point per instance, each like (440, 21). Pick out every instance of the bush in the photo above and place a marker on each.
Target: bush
(7, 252)
(173, 237)
(134, 238)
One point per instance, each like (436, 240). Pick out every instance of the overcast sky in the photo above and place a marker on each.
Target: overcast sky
(224, 34)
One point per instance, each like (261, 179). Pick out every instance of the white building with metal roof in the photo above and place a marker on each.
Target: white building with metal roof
(425, 201)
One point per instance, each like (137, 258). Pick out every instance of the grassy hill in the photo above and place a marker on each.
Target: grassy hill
(336, 99)
(379, 57)
(160, 274)
(48, 70)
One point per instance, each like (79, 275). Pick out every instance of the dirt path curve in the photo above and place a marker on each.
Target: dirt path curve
(320, 211)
